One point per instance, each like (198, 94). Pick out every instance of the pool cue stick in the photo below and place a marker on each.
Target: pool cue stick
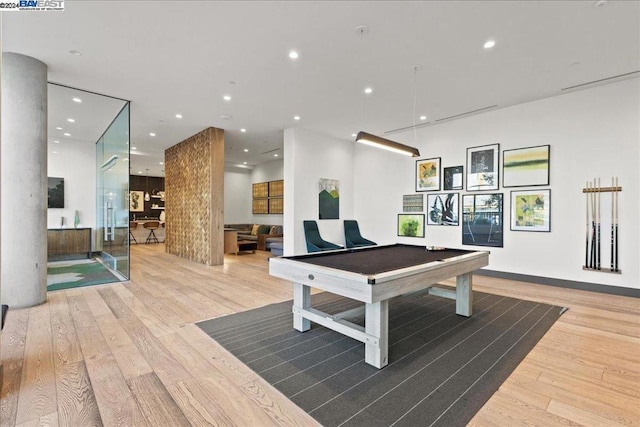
(593, 227)
(598, 224)
(613, 195)
(616, 225)
(586, 249)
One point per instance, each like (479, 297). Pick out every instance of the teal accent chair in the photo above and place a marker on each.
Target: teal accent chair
(315, 243)
(352, 235)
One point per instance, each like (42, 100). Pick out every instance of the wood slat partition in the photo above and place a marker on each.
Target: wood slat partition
(194, 185)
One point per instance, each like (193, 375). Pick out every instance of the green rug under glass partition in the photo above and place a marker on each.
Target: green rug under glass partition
(73, 274)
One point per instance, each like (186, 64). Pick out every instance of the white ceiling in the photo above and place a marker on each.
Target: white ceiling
(170, 57)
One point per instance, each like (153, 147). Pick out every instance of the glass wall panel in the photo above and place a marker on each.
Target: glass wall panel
(112, 164)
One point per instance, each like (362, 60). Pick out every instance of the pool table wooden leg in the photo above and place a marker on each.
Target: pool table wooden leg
(464, 294)
(301, 299)
(376, 323)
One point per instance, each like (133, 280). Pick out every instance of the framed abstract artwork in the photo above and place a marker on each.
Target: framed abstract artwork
(531, 210)
(136, 201)
(412, 203)
(411, 225)
(526, 167)
(328, 198)
(482, 167)
(453, 177)
(428, 174)
(442, 209)
(482, 220)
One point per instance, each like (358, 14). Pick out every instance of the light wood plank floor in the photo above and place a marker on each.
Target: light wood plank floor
(130, 354)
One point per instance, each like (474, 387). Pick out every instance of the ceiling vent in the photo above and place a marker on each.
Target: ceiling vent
(603, 81)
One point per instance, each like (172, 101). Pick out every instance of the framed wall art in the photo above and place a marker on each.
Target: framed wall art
(482, 167)
(442, 209)
(136, 201)
(531, 210)
(428, 174)
(328, 198)
(453, 177)
(525, 167)
(411, 225)
(412, 203)
(482, 220)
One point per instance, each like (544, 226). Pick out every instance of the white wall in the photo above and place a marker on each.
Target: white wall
(308, 157)
(265, 172)
(592, 133)
(237, 198)
(76, 163)
(238, 193)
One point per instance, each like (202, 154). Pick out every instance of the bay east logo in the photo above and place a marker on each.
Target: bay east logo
(41, 4)
(31, 5)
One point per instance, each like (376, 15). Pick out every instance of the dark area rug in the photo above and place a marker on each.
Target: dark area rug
(442, 367)
(70, 274)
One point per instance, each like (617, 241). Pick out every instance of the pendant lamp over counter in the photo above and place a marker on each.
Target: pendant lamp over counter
(386, 144)
(147, 197)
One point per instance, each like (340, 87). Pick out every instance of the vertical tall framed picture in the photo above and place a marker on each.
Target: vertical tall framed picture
(482, 167)
(482, 220)
(531, 210)
(453, 177)
(526, 167)
(328, 198)
(428, 174)
(442, 209)
(136, 201)
(411, 225)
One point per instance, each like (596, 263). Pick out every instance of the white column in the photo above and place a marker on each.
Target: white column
(23, 216)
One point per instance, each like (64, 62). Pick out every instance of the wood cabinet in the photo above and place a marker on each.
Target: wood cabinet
(230, 241)
(68, 243)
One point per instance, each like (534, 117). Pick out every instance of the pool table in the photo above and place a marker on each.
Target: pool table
(374, 275)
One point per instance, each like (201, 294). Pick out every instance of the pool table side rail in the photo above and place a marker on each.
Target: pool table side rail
(382, 286)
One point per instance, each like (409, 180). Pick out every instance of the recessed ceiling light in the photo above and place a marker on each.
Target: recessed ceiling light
(243, 130)
(246, 150)
(293, 54)
(161, 163)
(368, 90)
(54, 152)
(78, 100)
(296, 117)
(56, 141)
(75, 52)
(178, 116)
(489, 44)
(59, 128)
(244, 163)
(275, 155)
(140, 172)
(134, 148)
(423, 117)
(227, 98)
(354, 135)
(599, 3)
(152, 134)
(67, 134)
(71, 120)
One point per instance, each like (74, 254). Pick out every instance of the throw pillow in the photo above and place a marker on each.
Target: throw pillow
(254, 230)
(264, 229)
(274, 230)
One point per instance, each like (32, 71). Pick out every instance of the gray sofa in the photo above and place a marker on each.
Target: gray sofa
(263, 234)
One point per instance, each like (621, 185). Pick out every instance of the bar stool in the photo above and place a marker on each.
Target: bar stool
(151, 226)
(132, 226)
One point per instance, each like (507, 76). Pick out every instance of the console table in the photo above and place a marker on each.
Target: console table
(68, 243)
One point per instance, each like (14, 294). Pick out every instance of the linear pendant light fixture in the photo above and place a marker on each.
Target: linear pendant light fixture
(367, 138)
(386, 144)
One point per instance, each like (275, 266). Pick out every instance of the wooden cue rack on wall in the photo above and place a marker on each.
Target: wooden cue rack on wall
(594, 234)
